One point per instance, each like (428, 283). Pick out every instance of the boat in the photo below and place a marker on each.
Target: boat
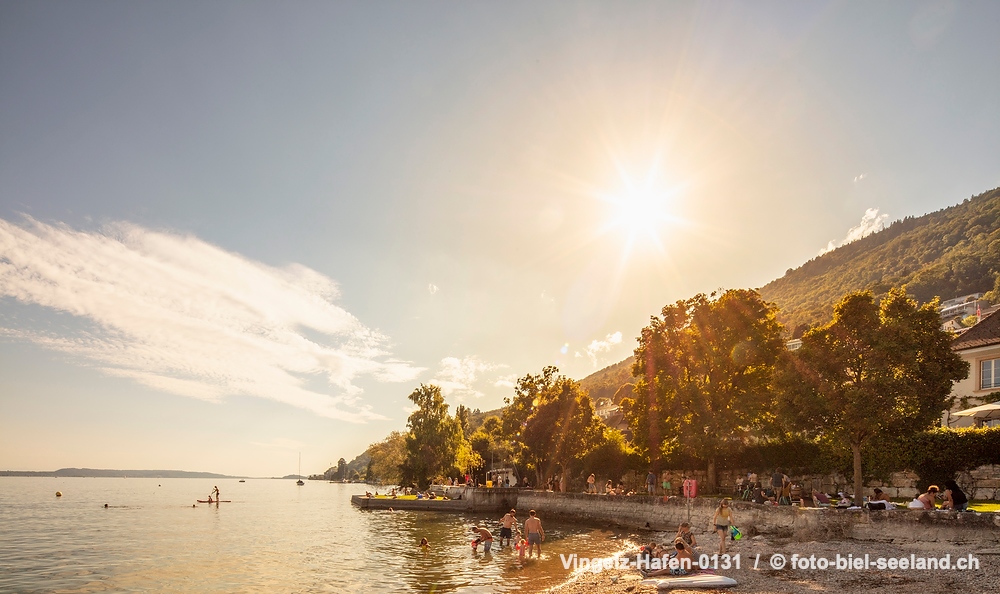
(697, 580)
(299, 482)
(214, 501)
(242, 481)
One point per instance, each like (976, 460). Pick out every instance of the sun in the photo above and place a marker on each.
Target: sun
(641, 213)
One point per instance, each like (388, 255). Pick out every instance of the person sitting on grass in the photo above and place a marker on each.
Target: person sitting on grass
(954, 497)
(880, 501)
(928, 498)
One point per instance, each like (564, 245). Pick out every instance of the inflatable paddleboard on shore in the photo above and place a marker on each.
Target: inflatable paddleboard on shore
(704, 580)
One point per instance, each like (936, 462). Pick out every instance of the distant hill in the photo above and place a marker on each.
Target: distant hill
(948, 253)
(96, 472)
(613, 382)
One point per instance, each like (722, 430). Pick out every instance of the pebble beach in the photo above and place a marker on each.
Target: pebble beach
(767, 580)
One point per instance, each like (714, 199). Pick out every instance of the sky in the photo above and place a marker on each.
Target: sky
(232, 233)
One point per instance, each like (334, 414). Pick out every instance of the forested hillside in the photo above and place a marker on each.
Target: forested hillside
(951, 252)
(606, 382)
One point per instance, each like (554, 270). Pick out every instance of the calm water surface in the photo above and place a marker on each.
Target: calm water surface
(273, 537)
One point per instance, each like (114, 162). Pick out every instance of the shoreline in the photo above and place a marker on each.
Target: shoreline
(768, 580)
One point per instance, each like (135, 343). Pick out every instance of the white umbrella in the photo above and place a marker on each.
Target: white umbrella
(983, 412)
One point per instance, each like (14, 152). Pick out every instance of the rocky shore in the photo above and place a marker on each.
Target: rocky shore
(767, 580)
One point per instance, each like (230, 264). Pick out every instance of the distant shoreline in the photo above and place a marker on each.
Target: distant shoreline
(106, 473)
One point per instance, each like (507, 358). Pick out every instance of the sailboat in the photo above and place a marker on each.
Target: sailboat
(299, 482)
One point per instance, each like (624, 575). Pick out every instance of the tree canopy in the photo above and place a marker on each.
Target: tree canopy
(704, 368)
(552, 423)
(435, 445)
(876, 369)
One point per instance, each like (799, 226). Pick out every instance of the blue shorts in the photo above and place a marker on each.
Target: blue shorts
(534, 538)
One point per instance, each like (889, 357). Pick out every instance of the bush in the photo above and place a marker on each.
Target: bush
(940, 454)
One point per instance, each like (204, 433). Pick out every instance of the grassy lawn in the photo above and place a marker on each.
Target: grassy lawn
(982, 506)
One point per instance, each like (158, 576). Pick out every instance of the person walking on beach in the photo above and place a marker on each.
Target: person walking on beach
(507, 523)
(723, 519)
(533, 526)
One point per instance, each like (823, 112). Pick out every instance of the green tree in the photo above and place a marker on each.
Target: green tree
(462, 413)
(704, 370)
(877, 369)
(387, 458)
(435, 445)
(489, 442)
(552, 421)
(612, 456)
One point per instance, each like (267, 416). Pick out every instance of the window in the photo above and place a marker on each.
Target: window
(989, 376)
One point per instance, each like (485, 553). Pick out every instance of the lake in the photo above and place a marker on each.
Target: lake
(273, 537)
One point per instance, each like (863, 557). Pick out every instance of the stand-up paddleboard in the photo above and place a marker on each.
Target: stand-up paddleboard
(698, 580)
(214, 501)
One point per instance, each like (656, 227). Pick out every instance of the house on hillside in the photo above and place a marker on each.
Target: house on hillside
(963, 307)
(980, 346)
(611, 414)
(954, 325)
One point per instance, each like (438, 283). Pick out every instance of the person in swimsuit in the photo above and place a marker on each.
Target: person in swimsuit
(485, 537)
(928, 498)
(722, 520)
(533, 526)
(507, 524)
(685, 534)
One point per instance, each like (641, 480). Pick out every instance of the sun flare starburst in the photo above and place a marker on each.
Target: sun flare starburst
(641, 212)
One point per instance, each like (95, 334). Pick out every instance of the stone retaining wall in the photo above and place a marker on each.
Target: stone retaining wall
(640, 513)
(983, 483)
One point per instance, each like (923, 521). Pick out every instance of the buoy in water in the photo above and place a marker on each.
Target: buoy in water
(58, 493)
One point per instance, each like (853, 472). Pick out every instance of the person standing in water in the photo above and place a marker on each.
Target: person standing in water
(507, 524)
(533, 526)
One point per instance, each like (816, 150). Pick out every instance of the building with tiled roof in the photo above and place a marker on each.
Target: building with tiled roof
(980, 346)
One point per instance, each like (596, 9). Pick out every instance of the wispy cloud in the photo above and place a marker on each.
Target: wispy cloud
(432, 288)
(505, 381)
(600, 346)
(860, 177)
(183, 316)
(872, 222)
(457, 377)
